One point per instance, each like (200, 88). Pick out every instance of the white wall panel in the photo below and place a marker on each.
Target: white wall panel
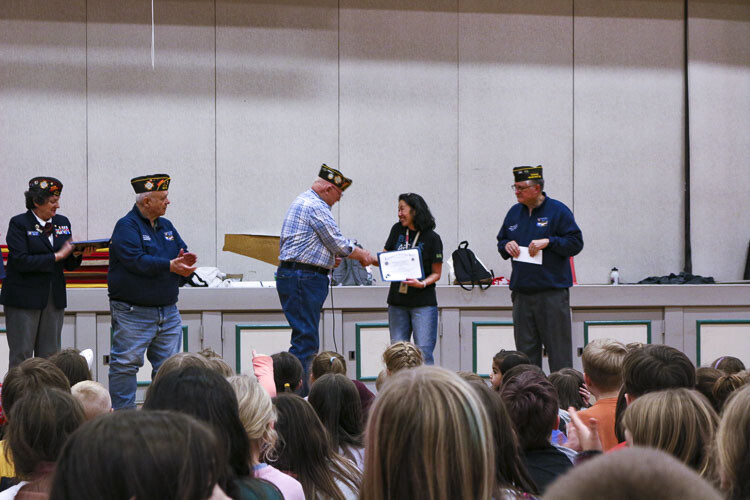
(277, 91)
(515, 108)
(719, 74)
(628, 138)
(43, 104)
(145, 120)
(398, 114)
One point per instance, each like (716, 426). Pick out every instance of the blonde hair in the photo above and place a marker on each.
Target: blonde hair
(327, 362)
(179, 361)
(94, 398)
(602, 362)
(428, 437)
(400, 355)
(216, 363)
(733, 445)
(679, 421)
(256, 412)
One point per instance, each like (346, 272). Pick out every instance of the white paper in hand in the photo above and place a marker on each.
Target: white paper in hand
(525, 257)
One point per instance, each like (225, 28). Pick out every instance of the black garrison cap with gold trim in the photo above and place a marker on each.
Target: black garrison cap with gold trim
(334, 177)
(47, 184)
(527, 173)
(148, 183)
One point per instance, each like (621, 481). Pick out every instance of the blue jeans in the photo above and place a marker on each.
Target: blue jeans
(302, 294)
(136, 330)
(423, 321)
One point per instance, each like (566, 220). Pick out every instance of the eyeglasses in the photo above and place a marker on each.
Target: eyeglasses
(519, 189)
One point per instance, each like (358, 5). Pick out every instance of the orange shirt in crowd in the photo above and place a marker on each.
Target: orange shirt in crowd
(604, 412)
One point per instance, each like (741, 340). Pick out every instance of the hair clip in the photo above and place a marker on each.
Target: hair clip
(332, 359)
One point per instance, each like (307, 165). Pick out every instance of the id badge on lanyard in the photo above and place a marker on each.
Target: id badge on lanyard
(404, 287)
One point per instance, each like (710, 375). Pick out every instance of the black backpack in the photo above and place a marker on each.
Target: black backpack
(468, 270)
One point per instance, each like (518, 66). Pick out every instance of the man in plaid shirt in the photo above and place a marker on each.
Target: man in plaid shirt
(312, 245)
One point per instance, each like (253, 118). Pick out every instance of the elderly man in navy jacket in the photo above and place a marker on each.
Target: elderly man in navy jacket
(147, 263)
(541, 305)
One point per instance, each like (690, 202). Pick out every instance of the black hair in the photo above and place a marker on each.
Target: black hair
(206, 395)
(336, 400)
(39, 426)
(423, 219)
(139, 454)
(36, 197)
(287, 371)
(513, 359)
(568, 382)
(519, 369)
(656, 367)
(72, 364)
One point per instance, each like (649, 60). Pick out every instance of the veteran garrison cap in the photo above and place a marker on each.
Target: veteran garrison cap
(47, 184)
(334, 177)
(148, 183)
(527, 173)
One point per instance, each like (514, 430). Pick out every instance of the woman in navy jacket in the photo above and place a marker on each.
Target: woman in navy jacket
(33, 292)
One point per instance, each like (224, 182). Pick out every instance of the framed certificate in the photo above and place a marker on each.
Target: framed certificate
(401, 265)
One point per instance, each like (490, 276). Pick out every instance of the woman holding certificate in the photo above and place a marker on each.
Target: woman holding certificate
(412, 304)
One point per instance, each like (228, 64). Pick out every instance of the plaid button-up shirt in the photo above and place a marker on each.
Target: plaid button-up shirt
(310, 234)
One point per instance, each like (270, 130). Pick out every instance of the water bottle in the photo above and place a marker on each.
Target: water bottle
(614, 276)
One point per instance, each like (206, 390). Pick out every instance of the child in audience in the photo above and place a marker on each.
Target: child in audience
(602, 371)
(705, 379)
(532, 404)
(382, 376)
(728, 364)
(206, 395)
(401, 355)
(512, 480)
(333, 362)
(93, 397)
(216, 362)
(678, 421)
(258, 417)
(427, 439)
(504, 361)
(571, 389)
(39, 425)
(732, 457)
(72, 364)
(141, 455)
(640, 473)
(724, 387)
(336, 401)
(287, 372)
(31, 375)
(306, 452)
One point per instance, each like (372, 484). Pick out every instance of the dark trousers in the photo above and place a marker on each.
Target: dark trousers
(33, 332)
(543, 318)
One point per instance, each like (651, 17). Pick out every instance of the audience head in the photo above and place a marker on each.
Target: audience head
(287, 372)
(705, 379)
(336, 400)
(72, 364)
(140, 454)
(602, 364)
(382, 376)
(519, 369)
(206, 395)
(305, 451)
(568, 383)
(216, 362)
(31, 375)
(180, 361)
(504, 361)
(532, 404)
(733, 446)
(327, 362)
(724, 387)
(654, 368)
(256, 413)
(401, 355)
(93, 397)
(728, 364)
(38, 427)
(632, 473)
(510, 471)
(680, 422)
(427, 439)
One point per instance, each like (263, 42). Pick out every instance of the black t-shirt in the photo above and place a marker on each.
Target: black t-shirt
(431, 247)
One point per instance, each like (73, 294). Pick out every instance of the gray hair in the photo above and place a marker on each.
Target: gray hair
(140, 197)
(537, 182)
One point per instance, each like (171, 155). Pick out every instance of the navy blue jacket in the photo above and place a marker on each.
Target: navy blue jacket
(31, 263)
(553, 220)
(139, 258)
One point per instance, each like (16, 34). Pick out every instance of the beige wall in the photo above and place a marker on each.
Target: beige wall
(443, 98)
